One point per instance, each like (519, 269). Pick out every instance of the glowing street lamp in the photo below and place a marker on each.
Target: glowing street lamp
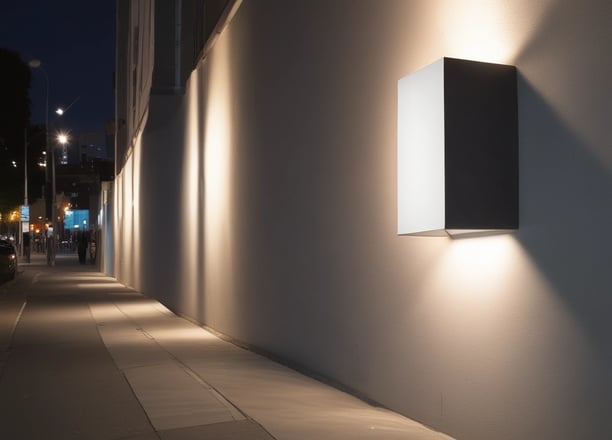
(61, 110)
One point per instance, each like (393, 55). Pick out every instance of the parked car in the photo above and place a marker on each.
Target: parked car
(8, 260)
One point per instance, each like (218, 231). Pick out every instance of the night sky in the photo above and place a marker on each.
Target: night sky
(75, 41)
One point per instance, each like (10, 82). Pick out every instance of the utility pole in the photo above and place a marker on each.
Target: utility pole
(25, 168)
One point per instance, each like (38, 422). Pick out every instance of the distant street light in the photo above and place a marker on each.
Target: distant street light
(61, 110)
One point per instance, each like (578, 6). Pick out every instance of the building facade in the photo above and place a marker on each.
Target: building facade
(256, 194)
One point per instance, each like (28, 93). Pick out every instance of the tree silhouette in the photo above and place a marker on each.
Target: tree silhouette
(15, 77)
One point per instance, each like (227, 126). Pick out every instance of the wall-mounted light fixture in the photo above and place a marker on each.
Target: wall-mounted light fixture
(457, 149)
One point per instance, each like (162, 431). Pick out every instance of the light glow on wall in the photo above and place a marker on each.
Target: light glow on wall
(490, 31)
(218, 177)
(127, 242)
(497, 324)
(118, 222)
(192, 194)
(483, 263)
(482, 290)
(135, 212)
(127, 218)
(206, 195)
(217, 156)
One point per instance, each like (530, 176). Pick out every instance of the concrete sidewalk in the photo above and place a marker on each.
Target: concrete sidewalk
(83, 357)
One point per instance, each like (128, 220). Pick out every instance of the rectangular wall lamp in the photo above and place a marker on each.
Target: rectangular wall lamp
(457, 149)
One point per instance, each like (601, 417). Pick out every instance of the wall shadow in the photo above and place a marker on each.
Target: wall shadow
(161, 210)
(565, 213)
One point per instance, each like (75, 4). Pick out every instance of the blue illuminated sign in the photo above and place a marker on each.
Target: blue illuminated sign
(76, 219)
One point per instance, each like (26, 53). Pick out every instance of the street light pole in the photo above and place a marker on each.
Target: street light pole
(62, 138)
(54, 212)
(36, 64)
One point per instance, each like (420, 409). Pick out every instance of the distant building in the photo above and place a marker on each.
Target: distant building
(85, 147)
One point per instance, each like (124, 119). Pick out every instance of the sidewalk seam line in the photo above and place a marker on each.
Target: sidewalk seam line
(120, 370)
(15, 324)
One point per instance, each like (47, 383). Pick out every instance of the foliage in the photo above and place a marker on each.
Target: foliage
(15, 77)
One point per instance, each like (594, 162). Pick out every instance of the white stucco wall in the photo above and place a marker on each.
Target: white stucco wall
(267, 210)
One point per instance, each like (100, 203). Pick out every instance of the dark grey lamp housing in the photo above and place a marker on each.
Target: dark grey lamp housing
(457, 149)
